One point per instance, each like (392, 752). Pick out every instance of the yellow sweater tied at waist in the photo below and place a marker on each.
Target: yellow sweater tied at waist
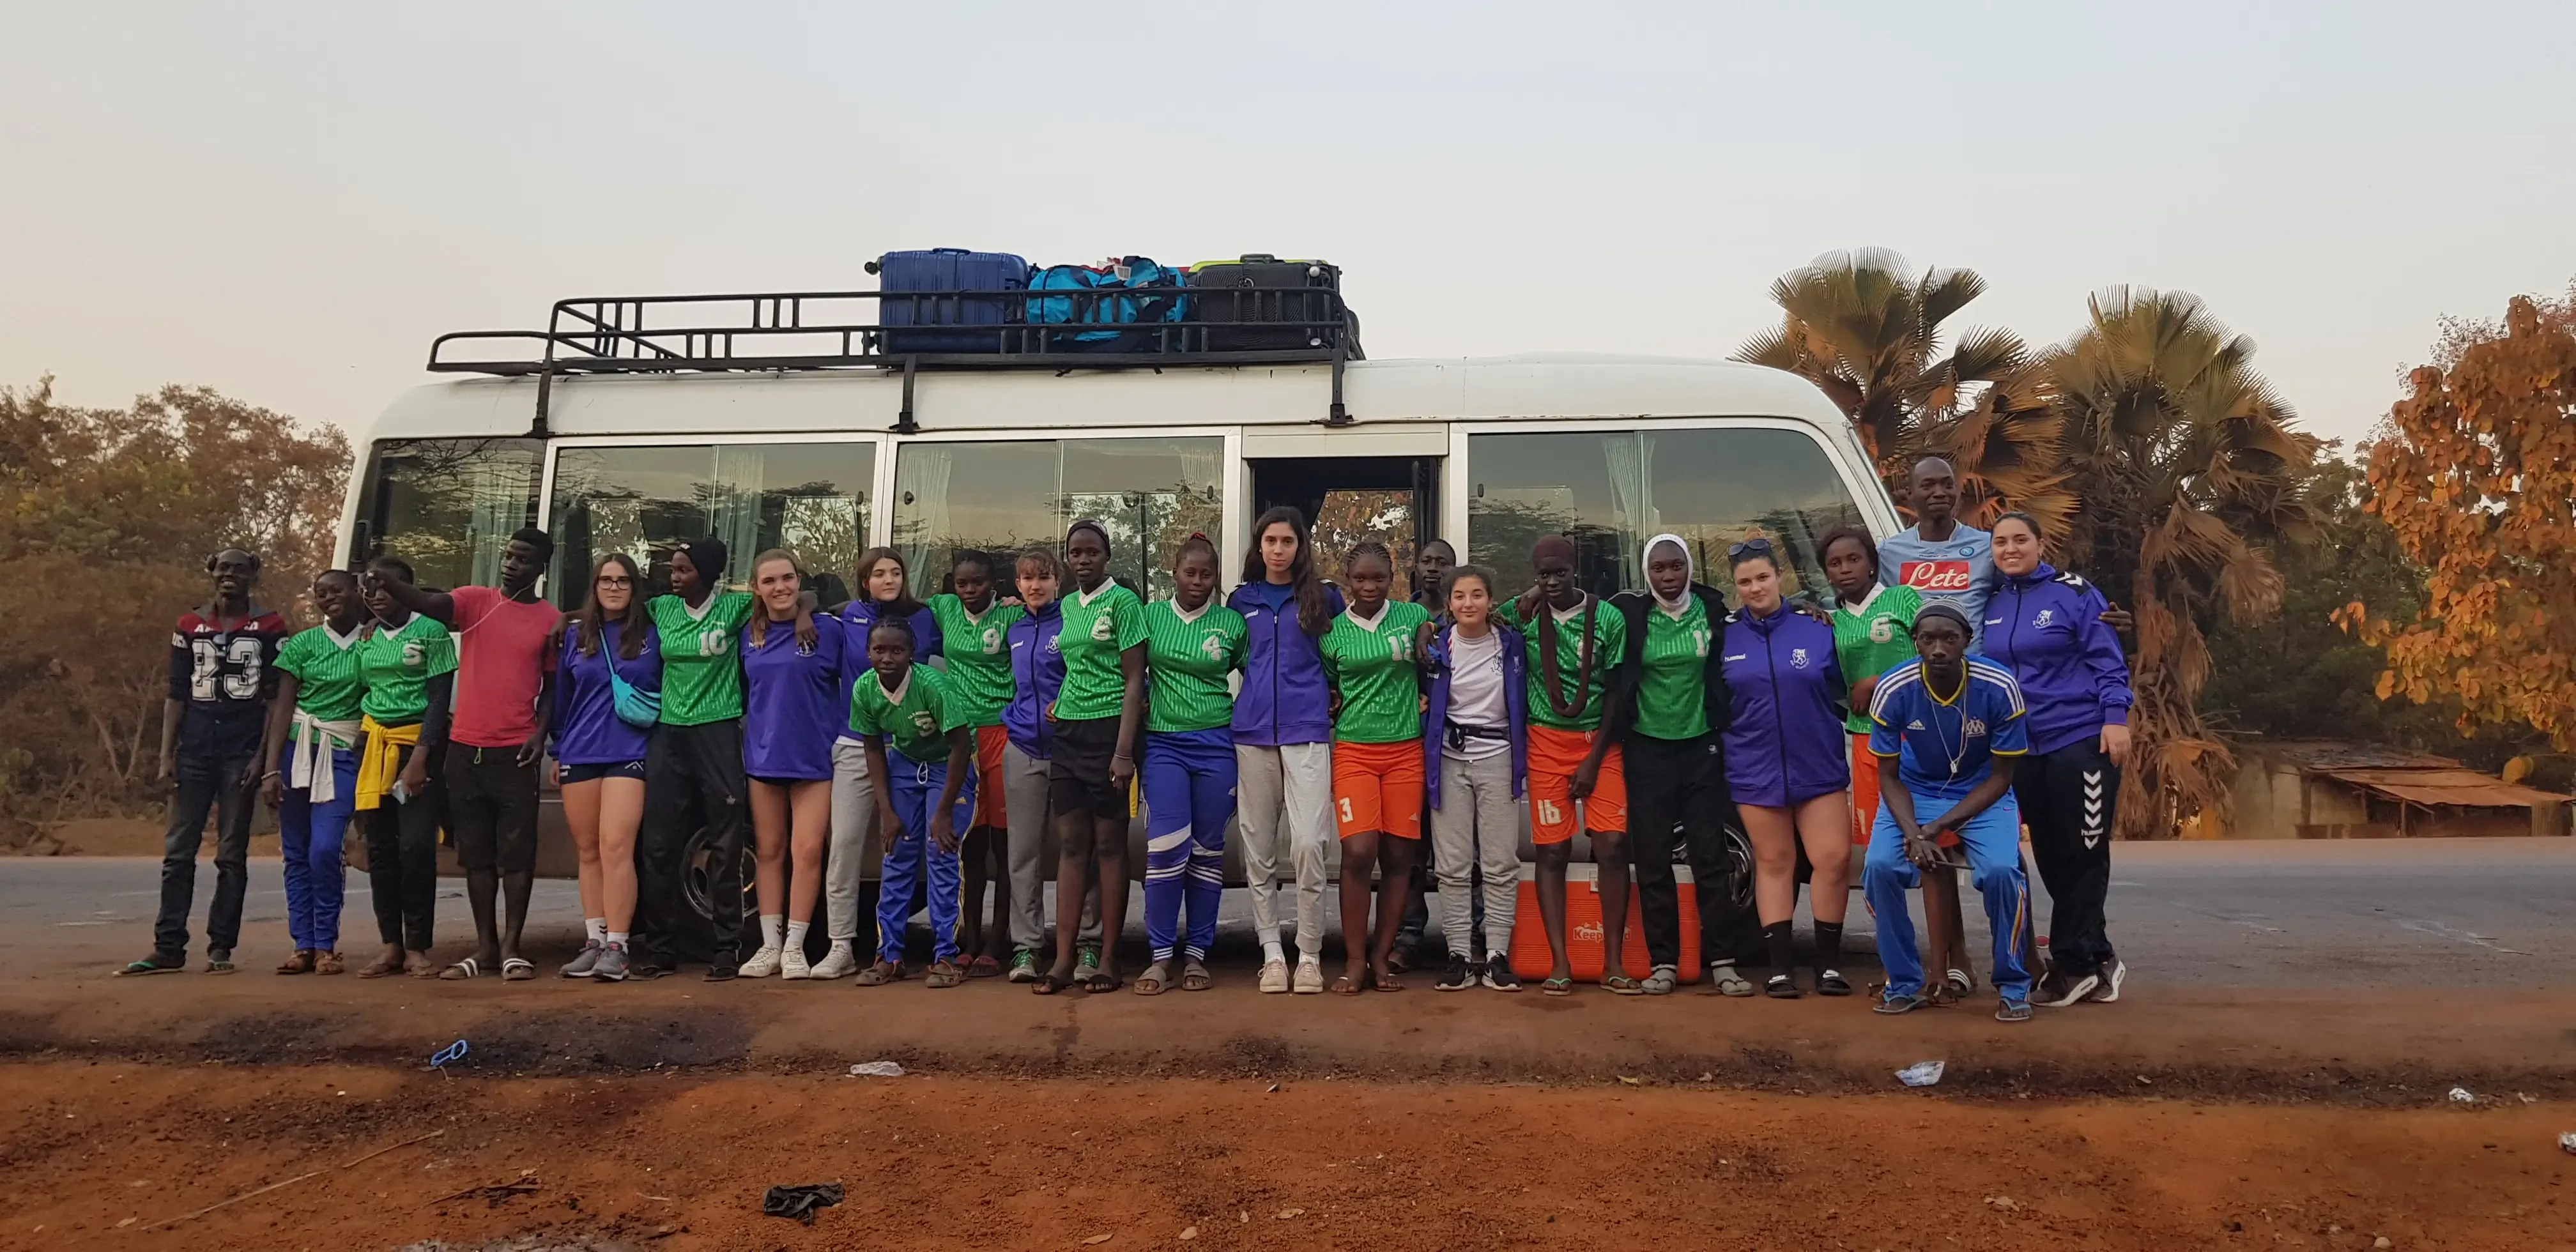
(381, 763)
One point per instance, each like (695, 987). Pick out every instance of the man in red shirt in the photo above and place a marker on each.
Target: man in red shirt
(211, 725)
(504, 680)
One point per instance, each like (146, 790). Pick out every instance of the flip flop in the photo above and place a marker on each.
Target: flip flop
(1102, 983)
(514, 969)
(1387, 981)
(460, 971)
(1048, 984)
(147, 965)
(1556, 987)
(380, 967)
(1622, 985)
(1344, 985)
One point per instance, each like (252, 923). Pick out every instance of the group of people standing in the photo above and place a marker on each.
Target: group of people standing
(1962, 688)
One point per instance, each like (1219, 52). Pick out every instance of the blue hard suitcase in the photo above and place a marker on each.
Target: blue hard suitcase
(939, 270)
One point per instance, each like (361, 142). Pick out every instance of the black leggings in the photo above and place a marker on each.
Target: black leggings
(402, 864)
(1680, 782)
(691, 774)
(2070, 799)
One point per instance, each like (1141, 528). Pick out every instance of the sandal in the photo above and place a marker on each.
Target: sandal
(1387, 981)
(1102, 982)
(1151, 982)
(380, 967)
(328, 963)
(984, 967)
(300, 963)
(1048, 984)
(462, 970)
(1895, 1005)
(1345, 985)
(943, 975)
(880, 974)
(516, 969)
(1556, 987)
(1194, 976)
(1621, 985)
(1723, 980)
(1782, 987)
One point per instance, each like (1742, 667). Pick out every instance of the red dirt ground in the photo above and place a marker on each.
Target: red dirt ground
(97, 1153)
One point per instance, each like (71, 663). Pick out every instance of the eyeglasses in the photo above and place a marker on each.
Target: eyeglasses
(1756, 546)
(615, 580)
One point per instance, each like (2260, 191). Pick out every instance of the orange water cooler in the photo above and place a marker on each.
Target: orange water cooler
(1583, 928)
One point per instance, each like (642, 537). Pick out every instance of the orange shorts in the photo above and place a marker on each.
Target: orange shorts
(989, 810)
(1378, 786)
(1554, 755)
(1864, 790)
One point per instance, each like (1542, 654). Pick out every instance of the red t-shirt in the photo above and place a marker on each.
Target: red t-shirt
(501, 663)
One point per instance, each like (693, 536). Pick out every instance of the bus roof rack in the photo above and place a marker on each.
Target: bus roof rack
(891, 330)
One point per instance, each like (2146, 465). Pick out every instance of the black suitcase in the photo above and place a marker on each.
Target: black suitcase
(1267, 321)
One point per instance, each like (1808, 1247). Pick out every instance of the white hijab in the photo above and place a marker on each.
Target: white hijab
(1645, 566)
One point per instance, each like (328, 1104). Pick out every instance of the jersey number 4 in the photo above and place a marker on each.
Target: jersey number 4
(206, 669)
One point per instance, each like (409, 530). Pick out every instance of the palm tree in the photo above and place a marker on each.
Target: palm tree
(1867, 330)
(2189, 468)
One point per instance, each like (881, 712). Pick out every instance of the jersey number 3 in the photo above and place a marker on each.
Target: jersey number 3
(206, 669)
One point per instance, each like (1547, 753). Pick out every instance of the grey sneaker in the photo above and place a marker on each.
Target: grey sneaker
(1086, 964)
(582, 965)
(219, 961)
(2108, 990)
(1661, 981)
(610, 965)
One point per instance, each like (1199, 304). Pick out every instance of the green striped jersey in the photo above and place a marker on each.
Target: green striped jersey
(978, 651)
(915, 718)
(1873, 639)
(1099, 626)
(1371, 665)
(1189, 659)
(1609, 642)
(701, 657)
(397, 664)
(1672, 685)
(327, 682)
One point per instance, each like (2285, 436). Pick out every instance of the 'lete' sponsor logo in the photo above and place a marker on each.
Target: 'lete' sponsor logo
(1937, 575)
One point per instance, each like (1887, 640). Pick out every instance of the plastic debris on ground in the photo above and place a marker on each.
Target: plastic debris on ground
(800, 1202)
(1921, 1073)
(2567, 1143)
(448, 1055)
(876, 1069)
(2462, 1095)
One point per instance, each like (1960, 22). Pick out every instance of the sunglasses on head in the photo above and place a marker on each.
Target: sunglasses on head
(1748, 546)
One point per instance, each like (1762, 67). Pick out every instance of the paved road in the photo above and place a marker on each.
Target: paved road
(2421, 913)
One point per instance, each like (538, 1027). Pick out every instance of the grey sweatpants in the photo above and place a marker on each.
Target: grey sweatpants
(1477, 825)
(854, 823)
(1031, 853)
(1296, 779)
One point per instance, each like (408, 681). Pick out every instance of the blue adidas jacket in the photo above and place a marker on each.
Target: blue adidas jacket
(1284, 698)
(1435, 719)
(1785, 743)
(2047, 628)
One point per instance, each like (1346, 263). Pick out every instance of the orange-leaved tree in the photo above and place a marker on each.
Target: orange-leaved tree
(2476, 474)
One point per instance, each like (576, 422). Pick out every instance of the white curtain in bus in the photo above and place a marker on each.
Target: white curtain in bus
(733, 506)
(1631, 501)
(922, 480)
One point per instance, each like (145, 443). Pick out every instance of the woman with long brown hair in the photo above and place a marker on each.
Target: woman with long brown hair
(1283, 730)
(610, 693)
(791, 714)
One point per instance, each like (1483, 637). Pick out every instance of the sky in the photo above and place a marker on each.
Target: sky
(286, 202)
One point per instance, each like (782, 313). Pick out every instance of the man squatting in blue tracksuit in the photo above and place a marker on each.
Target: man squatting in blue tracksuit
(1947, 730)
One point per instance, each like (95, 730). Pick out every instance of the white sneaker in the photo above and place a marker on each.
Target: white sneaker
(1310, 976)
(791, 964)
(840, 962)
(763, 964)
(1274, 978)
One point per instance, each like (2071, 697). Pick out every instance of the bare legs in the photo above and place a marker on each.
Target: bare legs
(1089, 844)
(1366, 946)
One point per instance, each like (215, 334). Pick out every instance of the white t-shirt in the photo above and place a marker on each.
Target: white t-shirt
(1476, 693)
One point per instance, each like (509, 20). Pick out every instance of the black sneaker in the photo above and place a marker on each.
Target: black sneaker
(1458, 975)
(1498, 974)
(2059, 990)
(2109, 990)
(646, 971)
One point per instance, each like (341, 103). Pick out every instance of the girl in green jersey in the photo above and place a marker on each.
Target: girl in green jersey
(974, 631)
(1377, 760)
(1097, 714)
(1192, 645)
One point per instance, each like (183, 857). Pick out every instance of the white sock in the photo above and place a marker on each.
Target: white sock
(796, 935)
(843, 946)
(1271, 951)
(597, 926)
(769, 924)
(617, 938)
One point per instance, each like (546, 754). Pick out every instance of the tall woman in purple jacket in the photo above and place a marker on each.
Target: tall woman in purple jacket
(2047, 627)
(1283, 730)
(1785, 762)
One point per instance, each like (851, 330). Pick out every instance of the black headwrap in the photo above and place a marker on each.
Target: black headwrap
(1092, 526)
(708, 555)
(1938, 608)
